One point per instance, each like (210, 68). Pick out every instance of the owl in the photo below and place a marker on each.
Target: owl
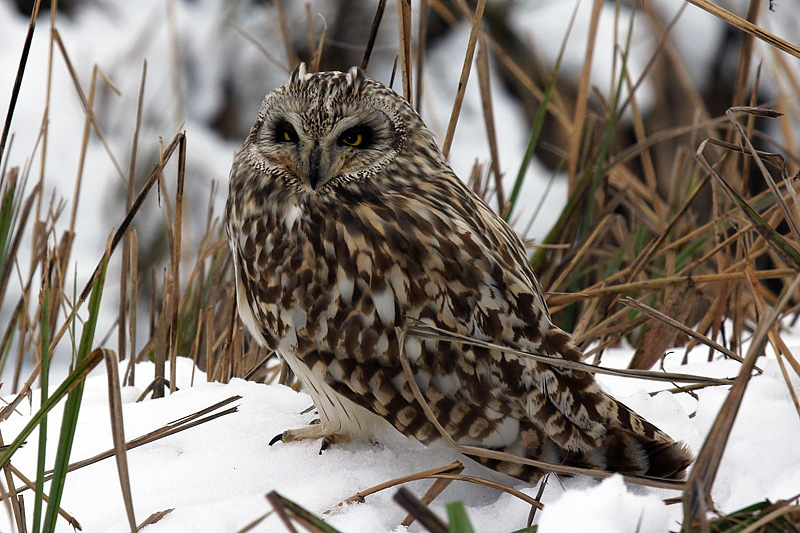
(346, 224)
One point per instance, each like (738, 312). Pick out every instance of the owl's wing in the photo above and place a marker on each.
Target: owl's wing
(477, 282)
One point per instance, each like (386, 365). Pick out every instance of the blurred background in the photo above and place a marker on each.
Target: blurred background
(645, 81)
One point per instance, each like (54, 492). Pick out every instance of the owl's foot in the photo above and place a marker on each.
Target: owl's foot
(312, 432)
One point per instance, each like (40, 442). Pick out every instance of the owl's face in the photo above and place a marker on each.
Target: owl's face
(327, 129)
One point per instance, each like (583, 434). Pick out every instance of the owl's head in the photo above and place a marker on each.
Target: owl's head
(325, 129)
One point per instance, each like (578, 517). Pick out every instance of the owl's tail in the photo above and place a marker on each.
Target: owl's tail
(621, 450)
(581, 426)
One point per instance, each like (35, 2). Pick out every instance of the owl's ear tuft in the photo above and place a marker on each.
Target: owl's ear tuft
(355, 77)
(298, 75)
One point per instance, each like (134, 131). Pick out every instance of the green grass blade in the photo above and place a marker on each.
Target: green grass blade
(458, 519)
(767, 232)
(6, 219)
(75, 377)
(531, 529)
(536, 130)
(685, 254)
(573, 202)
(286, 507)
(539, 121)
(44, 372)
(544, 196)
(5, 350)
(69, 420)
(605, 149)
(589, 179)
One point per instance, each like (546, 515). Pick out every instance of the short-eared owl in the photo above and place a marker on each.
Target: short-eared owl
(346, 222)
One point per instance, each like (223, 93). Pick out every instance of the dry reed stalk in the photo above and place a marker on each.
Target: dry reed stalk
(394, 71)
(426, 331)
(56, 37)
(32, 486)
(678, 326)
(154, 518)
(491, 484)
(648, 167)
(419, 511)
(783, 352)
(765, 523)
(464, 77)
(373, 34)
(662, 335)
(789, 217)
(291, 57)
(701, 478)
(484, 82)
(360, 496)
(747, 27)
(612, 330)
(785, 101)
(23, 61)
(422, 36)
(435, 490)
(252, 40)
(404, 31)
(582, 251)
(554, 106)
(127, 248)
(251, 525)
(312, 41)
(84, 145)
(176, 229)
(14, 498)
(176, 426)
(279, 504)
(555, 300)
(626, 155)
(209, 337)
(14, 248)
(45, 130)
(118, 432)
(780, 348)
(162, 337)
(133, 255)
(118, 235)
(751, 121)
(318, 51)
(579, 118)
(538, 499)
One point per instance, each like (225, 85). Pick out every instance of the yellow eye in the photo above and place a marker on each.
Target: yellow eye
(358, 137)
(352, 139)
(284, 132)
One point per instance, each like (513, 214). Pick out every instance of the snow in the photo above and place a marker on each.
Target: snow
(610, 507)
(216, 475)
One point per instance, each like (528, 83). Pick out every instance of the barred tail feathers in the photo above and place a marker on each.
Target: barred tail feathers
(599, 432)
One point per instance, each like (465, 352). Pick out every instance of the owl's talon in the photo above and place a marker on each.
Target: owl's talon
(313, 431)
(326, 443)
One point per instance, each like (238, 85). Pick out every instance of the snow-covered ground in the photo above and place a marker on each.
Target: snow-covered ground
(215, 475)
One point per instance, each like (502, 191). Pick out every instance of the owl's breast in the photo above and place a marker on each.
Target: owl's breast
(314, 284)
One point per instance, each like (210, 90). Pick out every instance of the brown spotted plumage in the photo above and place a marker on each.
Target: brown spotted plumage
(346, 222)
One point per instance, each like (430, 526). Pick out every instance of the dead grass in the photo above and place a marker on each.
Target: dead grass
(675, 226)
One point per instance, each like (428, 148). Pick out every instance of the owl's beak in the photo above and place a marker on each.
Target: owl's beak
(313, 167)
